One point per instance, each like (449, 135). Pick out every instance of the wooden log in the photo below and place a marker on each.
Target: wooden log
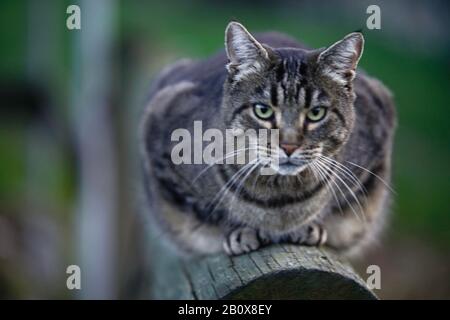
(275, 272)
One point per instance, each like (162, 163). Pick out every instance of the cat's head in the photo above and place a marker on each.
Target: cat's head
(306, 94)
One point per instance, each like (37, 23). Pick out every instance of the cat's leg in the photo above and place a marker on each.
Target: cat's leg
(349, 233)
(241, 240)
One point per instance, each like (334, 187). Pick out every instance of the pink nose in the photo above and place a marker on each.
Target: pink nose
(289, 148)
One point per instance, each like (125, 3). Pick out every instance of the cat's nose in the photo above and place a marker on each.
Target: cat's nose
(289, 148)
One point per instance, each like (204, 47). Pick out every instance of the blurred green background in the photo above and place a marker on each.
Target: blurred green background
(47, 132)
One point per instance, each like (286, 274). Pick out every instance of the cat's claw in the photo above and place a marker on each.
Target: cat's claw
(311, 235)
(241, 240)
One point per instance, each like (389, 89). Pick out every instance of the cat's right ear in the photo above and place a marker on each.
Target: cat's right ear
(245, 54)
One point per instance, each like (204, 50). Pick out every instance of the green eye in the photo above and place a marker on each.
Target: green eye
(263, 111)
(316, 114)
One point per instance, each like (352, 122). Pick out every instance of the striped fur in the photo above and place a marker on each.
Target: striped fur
(307, 208)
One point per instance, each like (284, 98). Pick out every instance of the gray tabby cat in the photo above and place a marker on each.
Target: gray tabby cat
(335, 126)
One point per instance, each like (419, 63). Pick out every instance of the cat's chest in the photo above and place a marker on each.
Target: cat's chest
(278, 211)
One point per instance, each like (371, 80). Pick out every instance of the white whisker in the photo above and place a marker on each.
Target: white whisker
(327, 167)
(235, 178)
(227, 156)
(328, 183)
(375, 175)
(241, 184)
(347, 174)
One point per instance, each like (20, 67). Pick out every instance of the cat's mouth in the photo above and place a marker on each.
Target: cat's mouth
(290, 166)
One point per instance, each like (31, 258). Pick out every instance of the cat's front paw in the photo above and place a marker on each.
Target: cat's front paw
(241, 240)
(311, 235)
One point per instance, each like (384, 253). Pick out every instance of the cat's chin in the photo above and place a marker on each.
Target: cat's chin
(288, 169)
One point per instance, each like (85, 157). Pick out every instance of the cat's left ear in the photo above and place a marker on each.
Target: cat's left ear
(245, 54)
(339, 61)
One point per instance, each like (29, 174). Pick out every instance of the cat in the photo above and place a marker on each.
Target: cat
(336, 129)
